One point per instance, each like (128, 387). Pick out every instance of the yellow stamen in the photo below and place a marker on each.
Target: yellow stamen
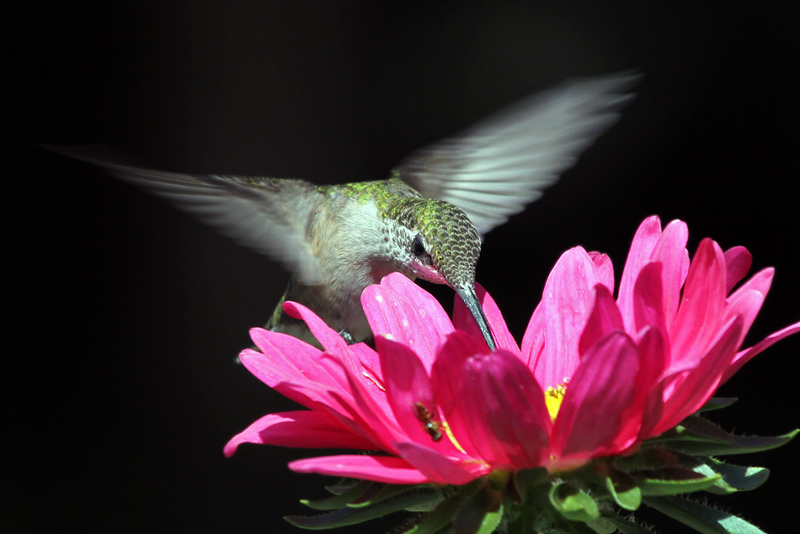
(553, 397)
(373, 380)
(449, 434)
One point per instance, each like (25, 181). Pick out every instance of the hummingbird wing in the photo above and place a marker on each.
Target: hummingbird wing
(499, 165)
(269, 215)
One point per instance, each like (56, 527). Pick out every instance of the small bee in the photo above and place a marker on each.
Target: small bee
(433, 428)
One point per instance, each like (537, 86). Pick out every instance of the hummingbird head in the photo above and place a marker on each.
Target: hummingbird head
(441, 245)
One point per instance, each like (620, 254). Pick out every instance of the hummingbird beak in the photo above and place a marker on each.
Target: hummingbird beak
(467, 294)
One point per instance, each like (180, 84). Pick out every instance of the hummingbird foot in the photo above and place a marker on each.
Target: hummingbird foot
(349, 339)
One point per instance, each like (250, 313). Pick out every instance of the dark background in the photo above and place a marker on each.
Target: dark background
(124, 316)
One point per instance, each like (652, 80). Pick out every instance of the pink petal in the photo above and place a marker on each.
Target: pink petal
(446, 377)
(738, 261)
(463, 320)
(410, 393)
(505, 409)
(369, 382)
(761, 282)
(648, 299)
(568, 301)
(598, 400)
(439, 469)
(604, 319)
(689, 388)
(745, 305)
(644, 241)
(654, 359)
(653, 356)
(748, 299)
(388, 469)
(605, 270)
(282, 357)
(700, 314)
(327, 336)
(533, 339)
(292, 367)
(370, 363)
(370, 408)
(299, 429)
(744, 356)
(671, 252)
(407, 313)
(319, 381)
(653, 412)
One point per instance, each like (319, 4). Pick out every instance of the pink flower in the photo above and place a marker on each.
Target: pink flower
(363, 399)
(595, 376)
(638, 365)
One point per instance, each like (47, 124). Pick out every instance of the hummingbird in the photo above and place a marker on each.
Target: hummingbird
(426, 220)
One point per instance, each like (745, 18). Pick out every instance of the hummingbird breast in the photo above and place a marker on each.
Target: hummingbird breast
(355, 245)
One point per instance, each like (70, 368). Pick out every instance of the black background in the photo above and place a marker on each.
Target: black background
(124, 315)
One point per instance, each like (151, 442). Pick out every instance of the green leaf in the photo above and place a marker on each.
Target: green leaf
(372, 492)
(438, 518)
(702, 518)
(674, 486)
(343, 484)
(573, 503)
(602, 525)
(351, 516)
(700, 427)
(628, 527)
(646, 460)
(738, 445)
(700, 437)
(380, 492)
(528, 478)
(480, 513)
(734, 477)
(490, 521)
(717, 403)
(340, 499)
(624, 490)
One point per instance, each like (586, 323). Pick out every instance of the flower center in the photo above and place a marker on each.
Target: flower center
(553, 397)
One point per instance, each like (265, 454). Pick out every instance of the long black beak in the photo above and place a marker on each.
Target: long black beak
(469, 297)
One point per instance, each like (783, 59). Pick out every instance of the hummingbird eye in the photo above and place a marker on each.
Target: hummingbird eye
(418, 249)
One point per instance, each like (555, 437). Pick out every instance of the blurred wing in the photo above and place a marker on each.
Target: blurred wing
(266, 214)
(499, 165)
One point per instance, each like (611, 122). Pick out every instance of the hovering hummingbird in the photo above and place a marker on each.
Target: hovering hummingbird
(426, 220)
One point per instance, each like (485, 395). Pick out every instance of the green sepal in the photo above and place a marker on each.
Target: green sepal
(624, 490)
(627, 527)
(680, 481)
(734, 477)
(439, 518)
(380, 492)
(573, 503)
(717, 403)
(705, 429)
(648, 459)
(341, 496)
(480, 513)
(363, 493)
(695, 444)
(602, 525)
(529, 478)
(692, 429)
(351, 516)
(702, 518)
(373, 494)
(343, 485)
